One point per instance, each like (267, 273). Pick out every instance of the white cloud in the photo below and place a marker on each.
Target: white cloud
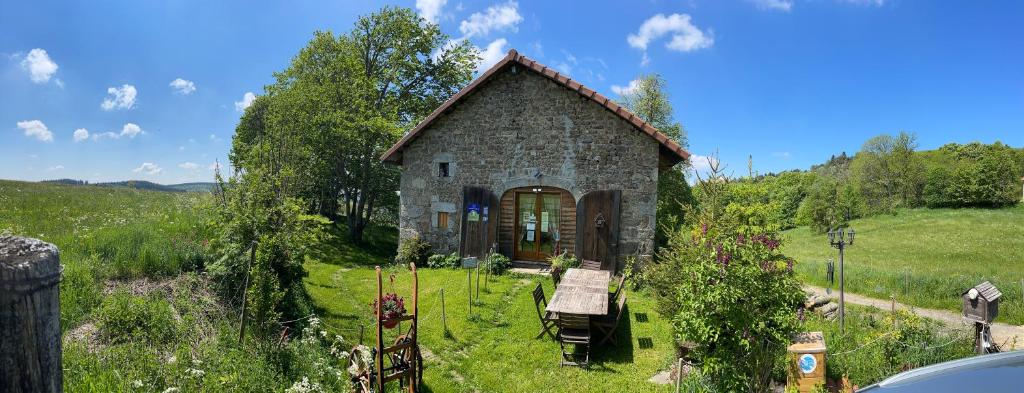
(182, 86)
(685, 36)
(119, 98)
(430, 9)
(81, 134)
(785, 155)
(778, 5)
(490, 56)
(148, 168)
(55, 168)
(188, 166)
(495, 18)
(625, 90)
(36, 129)
(39, 66)
(246, 101)
(876, 3)
(130, 130)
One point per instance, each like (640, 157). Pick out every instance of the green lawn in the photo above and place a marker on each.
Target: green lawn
(496, 349)
(925, 257)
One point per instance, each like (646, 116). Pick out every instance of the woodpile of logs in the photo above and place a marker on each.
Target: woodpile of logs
(821, 304)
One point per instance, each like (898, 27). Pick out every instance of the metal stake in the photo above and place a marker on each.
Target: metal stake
(842, 300)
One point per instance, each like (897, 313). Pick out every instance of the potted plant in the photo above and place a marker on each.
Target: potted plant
(393, 307)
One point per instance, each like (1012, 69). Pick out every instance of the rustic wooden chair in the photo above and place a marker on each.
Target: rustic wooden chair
(591, 265)
(607, 324)
(574, 330)
(613, 297)
(548, 320)
(556, 275)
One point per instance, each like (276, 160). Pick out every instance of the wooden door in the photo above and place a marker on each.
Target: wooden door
(537, 225)
(479, 221)
(597, 227)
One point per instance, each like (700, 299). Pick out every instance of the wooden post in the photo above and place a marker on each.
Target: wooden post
(469, 290)
(245, 295)
(414, 331)
(379, 358)
(30, 341)
(679, 373)
(478, 281)
(444, 319)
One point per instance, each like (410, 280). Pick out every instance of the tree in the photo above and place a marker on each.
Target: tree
(888, 174)
(650, 102)
(347, 99)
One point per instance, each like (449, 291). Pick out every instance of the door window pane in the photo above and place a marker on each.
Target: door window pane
(549, 209)
(527, 231)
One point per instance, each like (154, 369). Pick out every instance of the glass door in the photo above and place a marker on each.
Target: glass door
(537, 218)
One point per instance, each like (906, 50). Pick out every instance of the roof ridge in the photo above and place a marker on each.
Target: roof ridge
(547, 72)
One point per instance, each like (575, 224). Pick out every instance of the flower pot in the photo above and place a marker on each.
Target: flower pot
(390, 324)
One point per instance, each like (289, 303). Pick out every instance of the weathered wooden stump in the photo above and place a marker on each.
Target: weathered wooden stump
(30, 346)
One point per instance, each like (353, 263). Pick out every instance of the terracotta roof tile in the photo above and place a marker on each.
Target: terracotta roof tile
(676, 152)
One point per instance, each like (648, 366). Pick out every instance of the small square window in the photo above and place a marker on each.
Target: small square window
(442, 220)
(442, 169)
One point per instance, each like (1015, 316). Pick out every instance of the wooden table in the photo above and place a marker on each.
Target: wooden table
(582, 292)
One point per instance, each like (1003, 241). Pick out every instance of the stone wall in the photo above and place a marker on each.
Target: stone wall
(521, 129)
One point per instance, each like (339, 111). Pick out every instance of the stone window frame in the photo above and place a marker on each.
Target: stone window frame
(448, 159)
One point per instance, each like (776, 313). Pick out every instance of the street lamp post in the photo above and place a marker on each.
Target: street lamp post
(839, 238)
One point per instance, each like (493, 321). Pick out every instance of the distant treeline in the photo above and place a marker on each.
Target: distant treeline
(886, 174)
(140, 185)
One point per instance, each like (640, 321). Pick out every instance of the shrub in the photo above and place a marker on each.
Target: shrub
(442, 261)
(634, 272)
(124, 317)
(728, 287)
(564, 261)
(497, 263)
(412, 250)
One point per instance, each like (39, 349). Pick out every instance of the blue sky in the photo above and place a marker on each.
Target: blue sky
(790, 82)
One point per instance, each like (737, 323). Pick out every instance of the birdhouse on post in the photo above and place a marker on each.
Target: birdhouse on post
(981, 303)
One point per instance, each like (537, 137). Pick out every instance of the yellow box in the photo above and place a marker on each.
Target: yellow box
(806, 362)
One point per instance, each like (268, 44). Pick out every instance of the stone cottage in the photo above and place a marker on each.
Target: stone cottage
(532, 163)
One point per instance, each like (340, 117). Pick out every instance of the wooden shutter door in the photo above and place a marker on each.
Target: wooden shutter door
(479, 221)
(597, 227)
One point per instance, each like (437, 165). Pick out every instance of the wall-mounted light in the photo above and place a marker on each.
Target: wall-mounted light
(537, 189)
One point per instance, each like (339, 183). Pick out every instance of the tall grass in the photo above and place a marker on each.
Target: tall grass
(106, 233)
(925, 257)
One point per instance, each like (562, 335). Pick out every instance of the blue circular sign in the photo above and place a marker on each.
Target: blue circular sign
(807, 363)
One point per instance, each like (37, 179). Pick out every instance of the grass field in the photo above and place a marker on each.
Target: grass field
(925, 257)
(495, 350)
(135, 315)
(106, 233)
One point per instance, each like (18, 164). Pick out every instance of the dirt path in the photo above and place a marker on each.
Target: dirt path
(1007, 336)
